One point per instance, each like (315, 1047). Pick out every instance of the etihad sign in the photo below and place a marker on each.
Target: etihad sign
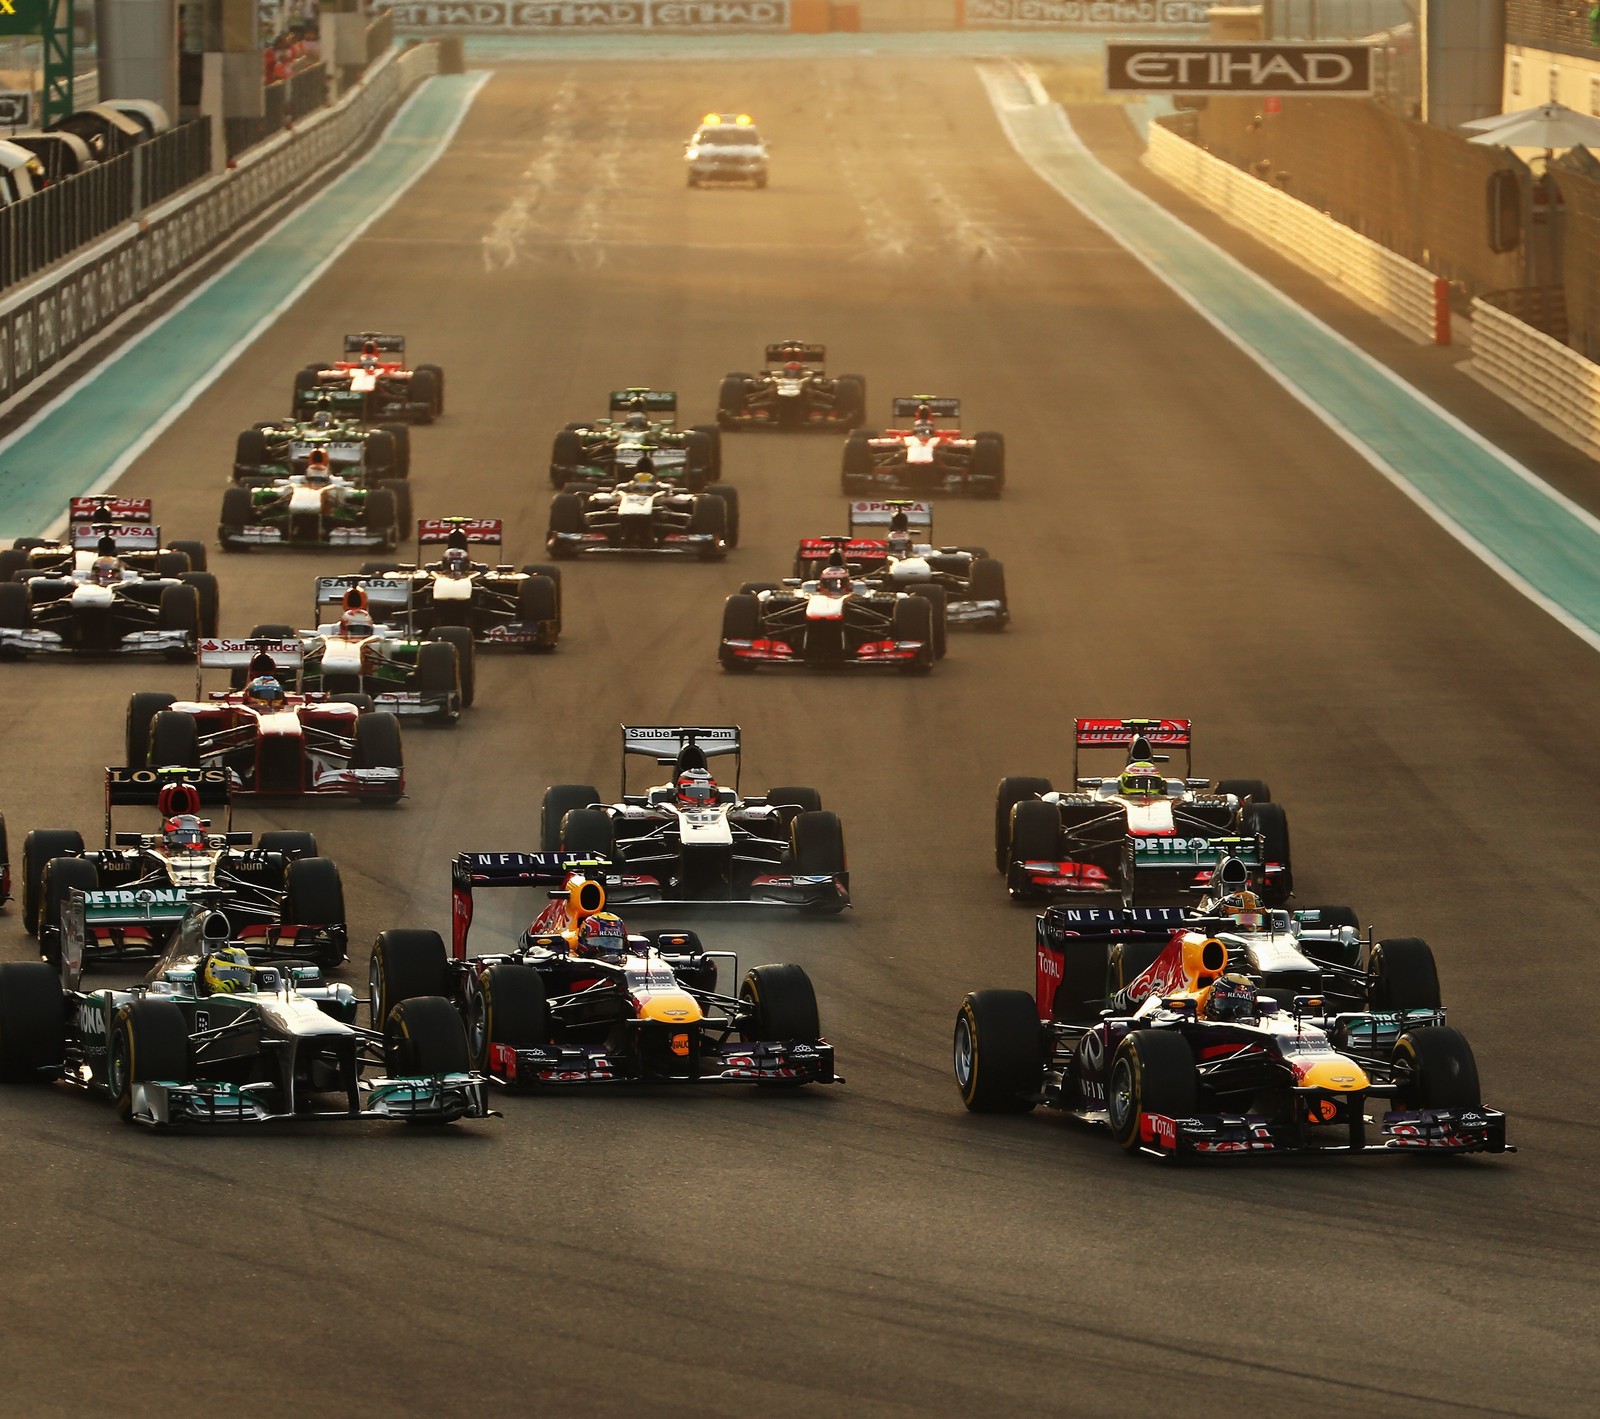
(1300, 69)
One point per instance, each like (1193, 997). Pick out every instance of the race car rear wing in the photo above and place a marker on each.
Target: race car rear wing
(460, 532)
(927, 405)
(470, 870)
(892, 513)
(381, 344)
(110, 907)
(251, 656)
(786, 350)
(1123, 734)
(112, 525)
(141, 788)
(649, 401)
(122, 510)
(665, 745)
(386, 597)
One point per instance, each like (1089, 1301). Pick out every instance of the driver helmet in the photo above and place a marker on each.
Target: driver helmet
(642, 475)
(696, 788)
(834, 581)
(317, 470)
(184, 832)
(264, 695)
(602, 934)
(1245, 909)
(636, 420)
(322, 419)
(923, 429)
(1231, 997)
(226, 972)
(106, 571)
(457, 561)
(1141, 779)
(369, 350)
(900, 544)
(356, 624)
(794, 367)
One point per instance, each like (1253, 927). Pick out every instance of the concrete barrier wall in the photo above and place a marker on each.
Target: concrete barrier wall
(1404, 293)
(1538, 370)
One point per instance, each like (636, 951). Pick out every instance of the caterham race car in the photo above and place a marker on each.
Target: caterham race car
(371, 383)
(792, 392)
(926, 457)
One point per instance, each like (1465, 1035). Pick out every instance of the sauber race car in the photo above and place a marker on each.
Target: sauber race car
(363, 454)
(726, 148)
(924, 458)
(1139, 837)
(692, 840)
(578, 999)
(1244, 1033)
(211, 1036)
(495, 603)
(371, 383)
(272, 743)
(280, 898)
(314, 508)
(792, 392)
(641, 428)
(966, 581)
(833, 622)
(641, 515)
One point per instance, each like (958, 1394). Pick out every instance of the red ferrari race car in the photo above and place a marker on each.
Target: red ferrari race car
(927, 457)
(274, 743)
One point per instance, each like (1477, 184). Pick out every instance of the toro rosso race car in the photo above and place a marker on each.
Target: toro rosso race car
(641, 429)
(314, 508)
(371, 383)
(642, 515)
(496, 604)
(213, 1036)
(792, 392)
(279, 896)
(273, 743)
(363, 454)
(578, 999)
(1241, 1032)
(692, 840)
(1139, 837)
(924, 458)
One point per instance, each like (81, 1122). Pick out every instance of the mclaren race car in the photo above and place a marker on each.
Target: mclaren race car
(642, 515)
(273, 743)
(313, 508)
(213, 1036)
(280, 898)
(356, 451)
(641, 428)
(1139, 837)
(692, 840)
(578, 999)
(927, 457)
(726, 148)
(371, 383)
(792, 392)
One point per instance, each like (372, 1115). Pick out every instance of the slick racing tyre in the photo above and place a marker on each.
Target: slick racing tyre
(32, 1033)
(205, 587)
(710, 519)
(850, 395)
(741, 621)
(41, 846)
(142, 710)
(1254, 789)
(566, 516)
(1035, 832)
(377, 746)
(857, 462)
(730, 501)
(314, 896)
(466, 659)
(1152, 1073)
(437, 375)
(559, 800)
(589, 830)
(1401, 975)
(425, 1036)
(805, 800)
(381, 514)
(174, 741)
(425, 394)
(779, 1005)
(1270, 820)
(913, 621)
(989, 464)
(1013, 790)
(538, 602)
(438, 669)
(404, 964)
(986, 581)
(507, 1007)
(291, 844)
(149, 1043)
(1434, 1069)
(180, 611)
(554, 573)
(939, 609)
(816, 843)
(730, 397)
(237, 514)
(61, 875)
(699, 464)
(566, 456)
(998, 1052)
(196, 553)
(400, 491)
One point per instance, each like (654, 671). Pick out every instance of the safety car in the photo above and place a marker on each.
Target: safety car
(694, 840)
(640, 515)
(579, 999)
(928, 456)
(358, 451)
(792, 391)
(313, 508)
(372, 382)
(726, 148)
(640, 429)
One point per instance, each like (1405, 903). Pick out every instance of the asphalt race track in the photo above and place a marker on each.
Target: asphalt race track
(1180, 539)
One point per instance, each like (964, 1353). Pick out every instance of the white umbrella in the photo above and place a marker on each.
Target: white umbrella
(1550, 126)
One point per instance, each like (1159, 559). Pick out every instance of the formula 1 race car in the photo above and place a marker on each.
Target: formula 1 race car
(371, 383)
(792, 392)
(1236, 1038)
(643, 515)
(726, 148)
(497, 604)
(272, 742)
(966, 581)
(641, 429)
(355, 451)
(580, 1000)
(833, 622)
(691, 840)
(316, 508)
(1139, 837)
(128, 522)
(924, 458)
(211, 1036)
(280, 897)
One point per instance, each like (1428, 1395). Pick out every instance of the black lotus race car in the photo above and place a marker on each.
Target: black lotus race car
(926, 457)
(371, 383)
(692, 840)
(211, 1036)
(579, 1000)
(792, 392)
(280, 897)
(641, 428)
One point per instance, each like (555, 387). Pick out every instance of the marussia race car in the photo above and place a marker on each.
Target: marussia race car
(212, 1037)
(371, 383)
(280, 447)
(579, 1000)
(1242, 1032)
(792, 392)
(924, 458)
(832, 623)
(281, 899)
(273, 743)
(496, 604)
(966, 581)
(316, 508)
(642, 425)
(641, 515)
(692, 841)
(1139, 837)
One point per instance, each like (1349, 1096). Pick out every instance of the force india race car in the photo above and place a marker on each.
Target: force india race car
(371, 383)
(639, 516)
(497, 605)
(792, 392)
(354, 450)
(641, 427)
(925, 458)
(580, 1000)
(726, 148)
(316, 508)
(210, 1036)
(1247, 1033)
(691, 840)
(279, 896)
(1139, 837)
(273, 743)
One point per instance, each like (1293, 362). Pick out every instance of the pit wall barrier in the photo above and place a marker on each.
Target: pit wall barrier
(43, 322)
(1407, 295)
(1540, 371)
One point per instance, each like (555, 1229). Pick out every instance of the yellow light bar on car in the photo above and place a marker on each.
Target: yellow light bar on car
(743, 118)
(712, 118)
